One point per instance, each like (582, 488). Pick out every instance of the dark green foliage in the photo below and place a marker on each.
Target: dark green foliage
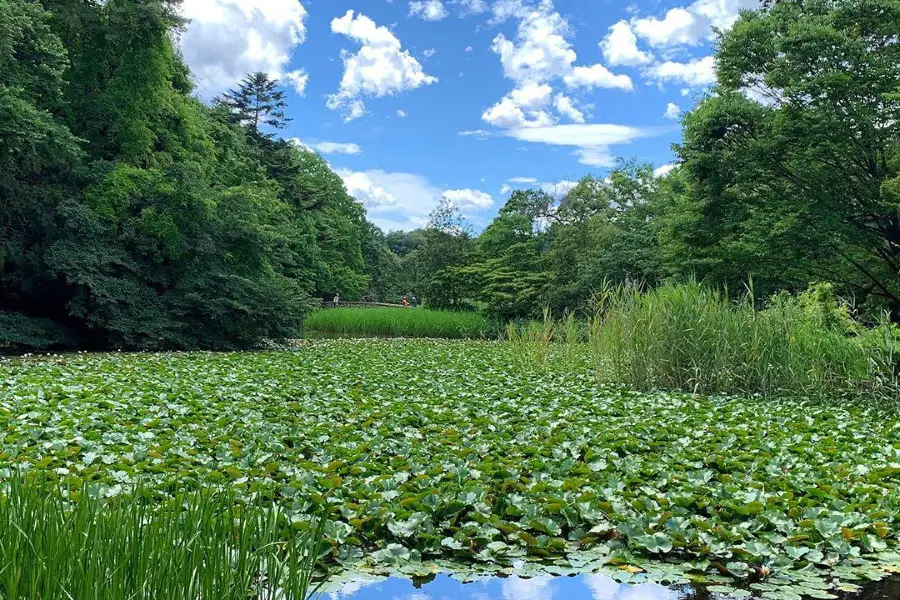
(798, 188)
(132, 215)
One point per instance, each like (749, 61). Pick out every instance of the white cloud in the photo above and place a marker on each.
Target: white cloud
(401, 113)
(226, 39)
(335, 148)
(566, 108)
(591, 141)
(541, 50)
(473, 7)
(380, 68)
(469, 198)
(678, 26)
(366, 191)
(663, 170)
(505, 189)
(507, 115)
(586, 135)
(429, 52)
(597, 76)
(400, 201)
(297, 80)
(427, 10)
(693, 24)
(673, 111)
(539, 54)
(596, 156)
(469, 48)
(696, 73)
(522, 180)
(620, 46)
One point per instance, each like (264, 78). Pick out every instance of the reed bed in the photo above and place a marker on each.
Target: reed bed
(200, 547)
(694, 338)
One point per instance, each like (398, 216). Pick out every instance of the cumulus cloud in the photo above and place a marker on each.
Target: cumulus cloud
(540, 50)
(691, 25)
(673, 111)
(597, 76)
(695, 73)
(226, 39)
(366, 191)
(380, 68)
(427, 10)
(468, 198)
(537, 56)
(566, 108)
(620, 46)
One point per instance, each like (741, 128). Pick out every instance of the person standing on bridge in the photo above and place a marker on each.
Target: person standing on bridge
(414, 302)
(337, 300)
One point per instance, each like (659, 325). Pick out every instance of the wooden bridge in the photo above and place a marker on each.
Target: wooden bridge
(342, 304)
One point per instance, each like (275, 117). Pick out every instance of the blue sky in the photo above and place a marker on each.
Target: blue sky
(410, 101)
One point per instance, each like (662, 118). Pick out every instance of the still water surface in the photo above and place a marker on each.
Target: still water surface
(583, 587)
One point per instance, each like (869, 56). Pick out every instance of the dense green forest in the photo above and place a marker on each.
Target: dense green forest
(135, 216)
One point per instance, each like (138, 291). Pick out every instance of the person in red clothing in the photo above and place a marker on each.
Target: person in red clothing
(405, 302)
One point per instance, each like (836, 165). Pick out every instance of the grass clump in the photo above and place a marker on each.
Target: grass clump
(398, 322)
(202, 547)
(690, 337)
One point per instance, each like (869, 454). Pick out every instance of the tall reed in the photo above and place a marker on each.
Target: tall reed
(694, 338)
(202, 547)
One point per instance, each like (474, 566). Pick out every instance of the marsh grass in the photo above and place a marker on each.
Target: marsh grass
(200, 547)
(398, 322)
(694, 338)
(547, 343)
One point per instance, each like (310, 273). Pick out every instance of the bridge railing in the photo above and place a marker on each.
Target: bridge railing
(342, 304)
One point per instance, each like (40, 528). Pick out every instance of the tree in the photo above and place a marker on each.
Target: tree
(788, 165)
(257, 102)
(39, 157)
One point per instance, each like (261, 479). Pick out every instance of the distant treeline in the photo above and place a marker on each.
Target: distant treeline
(788, 175)
(134, 216)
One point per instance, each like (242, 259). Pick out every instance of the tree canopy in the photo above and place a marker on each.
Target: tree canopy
(133, 215)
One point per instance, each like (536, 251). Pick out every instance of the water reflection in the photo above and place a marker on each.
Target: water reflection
(583, 587)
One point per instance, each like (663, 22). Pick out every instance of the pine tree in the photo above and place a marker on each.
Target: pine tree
(257, 101)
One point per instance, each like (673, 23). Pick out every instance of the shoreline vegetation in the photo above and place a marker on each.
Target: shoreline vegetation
(94, 542)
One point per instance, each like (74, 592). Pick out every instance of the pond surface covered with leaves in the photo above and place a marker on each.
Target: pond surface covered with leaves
(436, 455)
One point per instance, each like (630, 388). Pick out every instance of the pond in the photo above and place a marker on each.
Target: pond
(582, 587)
